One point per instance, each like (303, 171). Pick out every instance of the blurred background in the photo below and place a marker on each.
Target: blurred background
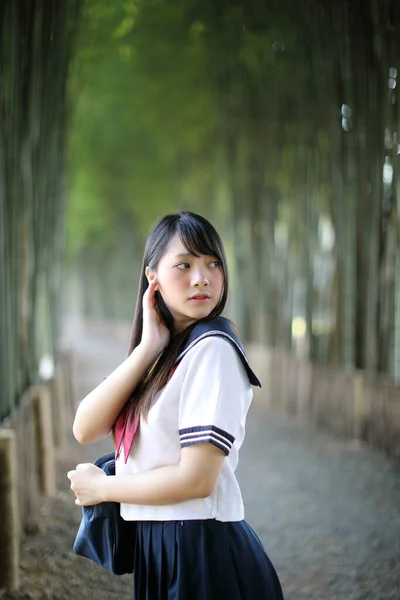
(277, 121)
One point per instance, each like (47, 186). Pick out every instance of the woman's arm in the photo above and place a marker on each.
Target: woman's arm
(194, 477)
(97, 412)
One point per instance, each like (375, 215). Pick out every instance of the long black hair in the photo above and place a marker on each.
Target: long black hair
(199, 237)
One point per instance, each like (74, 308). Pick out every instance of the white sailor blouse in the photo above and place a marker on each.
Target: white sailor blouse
(205, 401)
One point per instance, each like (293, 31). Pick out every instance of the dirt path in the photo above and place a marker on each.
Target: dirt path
(326, 510)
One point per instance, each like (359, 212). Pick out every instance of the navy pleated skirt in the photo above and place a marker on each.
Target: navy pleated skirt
(202, 560)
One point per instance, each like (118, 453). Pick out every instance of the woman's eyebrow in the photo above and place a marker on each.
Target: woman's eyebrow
(183, 255)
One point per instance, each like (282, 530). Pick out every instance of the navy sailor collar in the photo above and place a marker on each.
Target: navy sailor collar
(222, 327)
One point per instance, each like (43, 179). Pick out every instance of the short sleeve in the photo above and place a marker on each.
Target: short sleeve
(215, 395)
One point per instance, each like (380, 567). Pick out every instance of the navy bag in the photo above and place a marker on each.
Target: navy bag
(103, 535)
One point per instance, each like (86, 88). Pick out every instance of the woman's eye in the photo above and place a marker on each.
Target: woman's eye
(183, 266)
(215, 263)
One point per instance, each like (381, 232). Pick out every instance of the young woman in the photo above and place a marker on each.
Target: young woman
(175, 474)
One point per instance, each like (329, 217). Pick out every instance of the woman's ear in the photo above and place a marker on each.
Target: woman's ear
(151, 275)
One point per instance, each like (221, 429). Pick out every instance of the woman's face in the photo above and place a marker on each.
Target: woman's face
(191, 286)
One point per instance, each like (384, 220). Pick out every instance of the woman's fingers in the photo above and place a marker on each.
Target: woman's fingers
(154, 334)
(150, 292)
(149, 300)
(83, 466)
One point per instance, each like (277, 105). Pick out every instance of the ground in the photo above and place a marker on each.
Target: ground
(327, 510)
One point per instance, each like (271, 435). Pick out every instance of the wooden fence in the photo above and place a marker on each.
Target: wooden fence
(29, 439)
(351, 404)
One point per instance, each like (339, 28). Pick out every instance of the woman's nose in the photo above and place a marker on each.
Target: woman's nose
(199, 278)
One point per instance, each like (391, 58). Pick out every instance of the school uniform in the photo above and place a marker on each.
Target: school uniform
(198, 549)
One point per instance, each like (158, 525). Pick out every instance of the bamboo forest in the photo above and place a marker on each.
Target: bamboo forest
(277, 121)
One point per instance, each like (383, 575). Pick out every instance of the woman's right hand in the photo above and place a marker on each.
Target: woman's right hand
(155, 335)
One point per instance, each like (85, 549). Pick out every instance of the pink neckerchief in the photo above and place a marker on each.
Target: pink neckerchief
(125, 433)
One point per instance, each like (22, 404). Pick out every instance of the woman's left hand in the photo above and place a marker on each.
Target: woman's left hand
(86, 484)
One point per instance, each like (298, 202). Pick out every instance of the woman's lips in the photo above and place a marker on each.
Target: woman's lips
(200, 298)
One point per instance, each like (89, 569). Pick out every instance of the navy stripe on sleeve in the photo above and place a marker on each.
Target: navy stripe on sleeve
(190, 436)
